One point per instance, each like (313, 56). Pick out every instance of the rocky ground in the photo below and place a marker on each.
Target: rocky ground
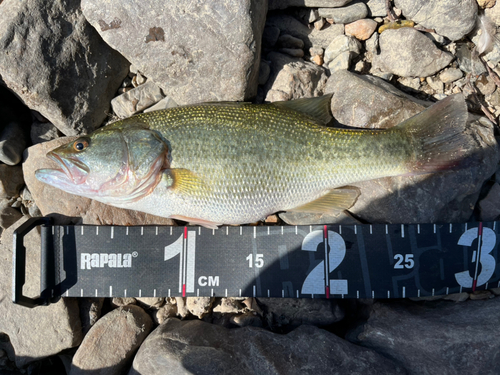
(79, 64)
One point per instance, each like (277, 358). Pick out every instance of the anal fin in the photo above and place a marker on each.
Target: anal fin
(192, 220)
(334, 202)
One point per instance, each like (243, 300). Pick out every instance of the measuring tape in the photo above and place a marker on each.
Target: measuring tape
(314, 261)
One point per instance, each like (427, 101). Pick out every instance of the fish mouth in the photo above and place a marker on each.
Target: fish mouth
(74, 170)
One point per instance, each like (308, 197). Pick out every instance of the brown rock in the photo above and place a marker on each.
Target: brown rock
(361, 29)
(68, 206)
(199, 306)
(111, 342)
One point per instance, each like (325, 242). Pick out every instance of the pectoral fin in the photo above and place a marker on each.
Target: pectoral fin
(334, 202)
(184, 181)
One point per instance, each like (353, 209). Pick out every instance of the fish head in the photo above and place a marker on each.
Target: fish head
(115, 164)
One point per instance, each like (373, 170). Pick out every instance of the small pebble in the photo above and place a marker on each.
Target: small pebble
(318, 25)
(318, 60)
(413, 83)
(271, 219)
(486, 3)
(361, 29)
(138, 80)
(457, 297)
(341, 62)
(450, 75)
(12, 144)
(435, 84)
(485, 85)
(313, 15)
(123, 301)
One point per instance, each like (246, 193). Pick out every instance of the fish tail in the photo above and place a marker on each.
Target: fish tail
(437, 136)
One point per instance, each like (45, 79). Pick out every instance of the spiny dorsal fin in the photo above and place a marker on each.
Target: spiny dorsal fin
(317, 108)
(334, 202)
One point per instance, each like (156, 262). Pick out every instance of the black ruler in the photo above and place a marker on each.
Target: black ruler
(317, 261)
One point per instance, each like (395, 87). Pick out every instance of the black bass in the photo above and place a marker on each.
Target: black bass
(236, 163)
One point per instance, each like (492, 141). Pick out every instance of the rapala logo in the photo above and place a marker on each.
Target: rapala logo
(100, 260)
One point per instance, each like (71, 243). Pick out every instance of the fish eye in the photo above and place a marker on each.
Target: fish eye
(80, 144)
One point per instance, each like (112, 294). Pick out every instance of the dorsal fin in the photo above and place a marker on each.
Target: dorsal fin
(318, 108)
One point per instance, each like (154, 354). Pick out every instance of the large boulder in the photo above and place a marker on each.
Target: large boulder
(195, 51)
(197, 347)
(57, 63)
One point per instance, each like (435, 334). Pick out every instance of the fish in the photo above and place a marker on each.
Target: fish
(236, 163)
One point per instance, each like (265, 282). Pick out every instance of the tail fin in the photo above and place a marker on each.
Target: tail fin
(438, 137)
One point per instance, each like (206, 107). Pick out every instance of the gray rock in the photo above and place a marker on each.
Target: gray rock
(436, 337)
(12, 144)
(182, 309)
(199, 306)
(57, 63)
(341, 62)
(411, 83)
(407, 52)
(447, 196)
(291, 26)
(293, 78)
(451, 18)
(376, 8)
(11, 180)
(282, 4)
(69, 206)
(42, 331)
(289, 313)
(490, 205)
(436, 84)
(167, 311)
(340, 45)
(8, 215)
(366, 101)
(43, 132)
(270, 36)
(111, 343)
(494, 99)
(220, 63)
(136, 100)
(165, 103)
(450, 75)
(466, 63)
(197, 347)
(346, 14)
